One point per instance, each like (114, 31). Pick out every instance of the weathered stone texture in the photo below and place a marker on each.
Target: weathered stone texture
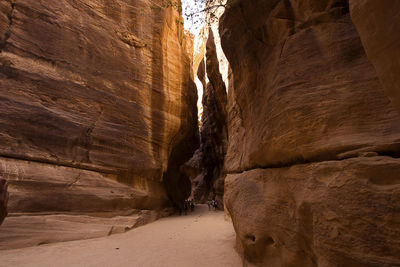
(304, 94)
(378, 23)
(332, 213)
(95, 97)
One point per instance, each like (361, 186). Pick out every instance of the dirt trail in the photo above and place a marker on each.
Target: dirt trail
(202, 238)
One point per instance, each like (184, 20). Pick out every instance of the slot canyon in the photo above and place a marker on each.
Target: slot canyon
(103, 140)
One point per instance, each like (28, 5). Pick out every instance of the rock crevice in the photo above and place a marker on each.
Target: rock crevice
(206, 167)
(346, 154)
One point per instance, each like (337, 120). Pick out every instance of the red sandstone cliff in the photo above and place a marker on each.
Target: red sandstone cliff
(313, 139)
(97, 105)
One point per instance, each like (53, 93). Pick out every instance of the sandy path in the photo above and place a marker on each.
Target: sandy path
(202, 238)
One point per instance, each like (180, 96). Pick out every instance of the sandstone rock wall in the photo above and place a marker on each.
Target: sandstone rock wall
(313, 149)
(378, 23)
(207, 165)
(95, 98)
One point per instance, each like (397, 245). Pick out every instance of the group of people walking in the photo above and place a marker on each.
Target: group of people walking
(186, 206)
(212, 204)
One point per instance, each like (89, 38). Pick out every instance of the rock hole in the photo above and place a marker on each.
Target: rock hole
(251, 237)
(269, 241)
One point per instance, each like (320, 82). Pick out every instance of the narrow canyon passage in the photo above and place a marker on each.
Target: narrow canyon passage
(202, 238)
(113, 113)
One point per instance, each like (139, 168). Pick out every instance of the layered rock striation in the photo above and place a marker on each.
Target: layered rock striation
(97, 106)
(312, 161)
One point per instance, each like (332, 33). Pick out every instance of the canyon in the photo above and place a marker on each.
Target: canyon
(299, 139)
(205, 168)
(98, 108)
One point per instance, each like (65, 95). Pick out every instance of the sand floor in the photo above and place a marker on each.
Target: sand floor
(202, 238)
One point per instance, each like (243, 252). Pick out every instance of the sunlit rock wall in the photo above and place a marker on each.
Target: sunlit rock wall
(97, 106)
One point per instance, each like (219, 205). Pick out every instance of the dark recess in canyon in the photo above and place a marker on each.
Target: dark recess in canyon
(98, 119)
(206, 167)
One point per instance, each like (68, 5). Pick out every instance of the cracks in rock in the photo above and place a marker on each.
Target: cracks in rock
(7, 33)
(292, 20)
(311, 161)
(52, 62)
(33, 142)
(88, 134)
(77, 178)
(58, 163)
(90, 129)
(283, 48)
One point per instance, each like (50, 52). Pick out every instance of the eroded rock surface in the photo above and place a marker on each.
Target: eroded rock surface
(95, 97)
(331, 213)
(313, 140)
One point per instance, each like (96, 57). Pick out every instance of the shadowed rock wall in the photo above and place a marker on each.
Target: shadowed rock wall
(314, 142)
(378, 23)
(95, 98)
(206, 167)
(3, 199)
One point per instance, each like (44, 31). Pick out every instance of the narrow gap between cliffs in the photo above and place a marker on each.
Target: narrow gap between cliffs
(206, 167)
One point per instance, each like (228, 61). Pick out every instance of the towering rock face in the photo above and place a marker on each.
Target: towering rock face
(206, 166)
(313, 169)
(214, 133)
(378, 23)
(97, 106)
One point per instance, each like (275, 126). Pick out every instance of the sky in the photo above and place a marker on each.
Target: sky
(192, 6)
